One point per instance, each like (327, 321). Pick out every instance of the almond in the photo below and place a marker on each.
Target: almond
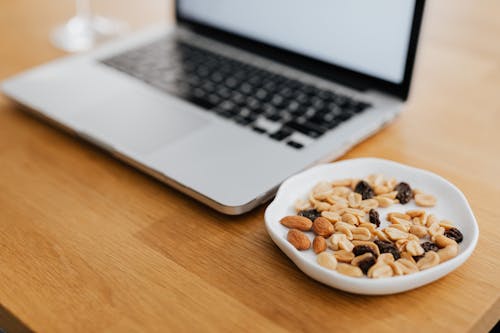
(298, 239)
(322, 227)
(297, 222)
(319, 244)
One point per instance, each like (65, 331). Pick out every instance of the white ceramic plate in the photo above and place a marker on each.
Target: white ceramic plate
(452, 205)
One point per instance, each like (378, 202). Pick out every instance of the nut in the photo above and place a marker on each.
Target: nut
(415, 213)
(396, 268)
(354, 211)
(385, 258)
(298, 239)
(345, 230)
(368, 204)
(349, 270)
(401, 227)
(383, 201)
(319, 244)
(338, 207)
(344, 256)
(381, 189)
(301, 204)
(361, 234)
(391, 195)
(431, 219)
(370, 226)
(335, 199)
(414, 248)
(429, 260)
(331, 216)
(395, 234)
(354, 199)
(435, 230)
(407, 266)
(380, 270)
(447, 225)
(398, 215)
(341, 191)
(334, 241)
(327, 260)
(345, 244)
(447, 253)
(322, 206)
(425, 200)
(407, 256)
(381, 235)
(418, 230)
(349, 218)
(342, 182)
(297, 222)
(322, 227)
(321, 187)
(443, 241)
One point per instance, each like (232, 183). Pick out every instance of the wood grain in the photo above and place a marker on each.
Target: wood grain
(90, 244)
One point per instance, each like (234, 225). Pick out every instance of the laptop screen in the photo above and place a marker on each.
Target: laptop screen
(369, 37)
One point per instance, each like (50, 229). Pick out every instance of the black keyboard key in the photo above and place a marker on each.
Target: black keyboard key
(308, 128)
(259, 129)
(294, 144)
(281, 134)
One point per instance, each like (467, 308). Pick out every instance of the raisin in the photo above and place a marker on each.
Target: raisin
(454, 234)
(374, 217)
(362, 249)
(365, 264)
(388, 247)
(429, 246)
(405, 192)
(364, 189)
(311, 214)
(417, 258)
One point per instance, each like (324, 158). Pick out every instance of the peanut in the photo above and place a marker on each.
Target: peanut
(425, 200)
(429, 260)
(331, 216)
(395, 234)
(418, 230)
(447, 253)
(414, 248)
(327, 260)
(349, 270)
(380, 270)
(384, 202)
(361, 234)
(344, 256)
(368, 204)
(354, 199)
(349, 218)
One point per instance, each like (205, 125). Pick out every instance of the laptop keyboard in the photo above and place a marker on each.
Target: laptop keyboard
(269, 103)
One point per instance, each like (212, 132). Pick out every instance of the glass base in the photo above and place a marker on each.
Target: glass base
(81, 34)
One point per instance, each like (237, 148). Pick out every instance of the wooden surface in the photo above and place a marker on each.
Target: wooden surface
(88, 244)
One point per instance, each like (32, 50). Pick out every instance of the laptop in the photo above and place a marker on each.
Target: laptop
(239, 94)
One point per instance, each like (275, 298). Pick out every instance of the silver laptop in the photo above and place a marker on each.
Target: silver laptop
(239, 95)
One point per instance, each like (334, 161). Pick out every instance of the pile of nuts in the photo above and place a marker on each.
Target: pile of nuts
(347, 236)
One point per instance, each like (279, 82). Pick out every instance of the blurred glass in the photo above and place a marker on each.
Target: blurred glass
(84, 30)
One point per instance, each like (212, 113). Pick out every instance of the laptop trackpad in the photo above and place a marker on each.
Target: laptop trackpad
(139, 123)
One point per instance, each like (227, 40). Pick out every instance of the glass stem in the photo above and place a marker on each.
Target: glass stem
(83, 10)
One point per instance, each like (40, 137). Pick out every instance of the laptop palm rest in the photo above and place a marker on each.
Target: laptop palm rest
(138, 123)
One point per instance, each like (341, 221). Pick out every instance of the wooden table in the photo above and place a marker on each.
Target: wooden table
(88, 244)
